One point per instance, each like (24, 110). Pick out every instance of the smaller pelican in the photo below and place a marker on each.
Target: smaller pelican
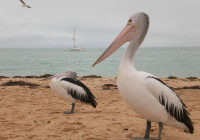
(67, 86)
(24, 4)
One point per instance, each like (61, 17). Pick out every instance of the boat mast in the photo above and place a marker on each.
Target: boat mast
(74, 39)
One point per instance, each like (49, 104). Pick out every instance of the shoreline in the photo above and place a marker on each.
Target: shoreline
(194, 83)
(90, 76)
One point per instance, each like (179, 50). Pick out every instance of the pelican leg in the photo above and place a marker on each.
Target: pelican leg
(72, 109)
(73, 105)
(160, 130)
(148, 127)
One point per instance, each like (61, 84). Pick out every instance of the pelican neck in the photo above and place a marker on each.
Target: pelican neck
(128, 57)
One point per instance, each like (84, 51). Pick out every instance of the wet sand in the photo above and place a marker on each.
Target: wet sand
(35, 112)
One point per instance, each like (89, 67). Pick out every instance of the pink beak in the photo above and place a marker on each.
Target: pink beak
(126, 35)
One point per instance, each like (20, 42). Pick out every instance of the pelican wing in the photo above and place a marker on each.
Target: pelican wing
(169, 99)
(78, 91)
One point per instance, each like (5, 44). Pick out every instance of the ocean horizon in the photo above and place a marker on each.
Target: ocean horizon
(160, 61)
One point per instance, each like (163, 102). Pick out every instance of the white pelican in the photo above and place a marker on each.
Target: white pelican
(24, 4)
(67, 86)
(147, 95)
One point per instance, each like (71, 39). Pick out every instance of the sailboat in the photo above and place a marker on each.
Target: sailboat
(75, 49)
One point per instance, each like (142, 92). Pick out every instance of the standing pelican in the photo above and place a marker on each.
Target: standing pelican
(67, 86)
(24, 4)
(147, 95)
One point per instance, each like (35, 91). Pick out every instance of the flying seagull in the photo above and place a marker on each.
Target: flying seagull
(67, 86)
(24, 4)
(146, 94)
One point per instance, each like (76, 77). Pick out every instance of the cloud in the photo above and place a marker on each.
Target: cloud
(50, 23)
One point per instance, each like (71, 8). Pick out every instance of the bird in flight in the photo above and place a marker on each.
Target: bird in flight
(24, 4)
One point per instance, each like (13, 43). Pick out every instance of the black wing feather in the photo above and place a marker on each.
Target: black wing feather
(22, 2)
(181, 115)
(88, 99)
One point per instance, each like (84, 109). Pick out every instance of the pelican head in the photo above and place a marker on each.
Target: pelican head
(67, 74)
(71, 74)
(134, 31)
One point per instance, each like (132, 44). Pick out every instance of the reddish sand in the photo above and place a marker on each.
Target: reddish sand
(37, 113)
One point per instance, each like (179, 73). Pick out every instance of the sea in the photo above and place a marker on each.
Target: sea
(162, 62)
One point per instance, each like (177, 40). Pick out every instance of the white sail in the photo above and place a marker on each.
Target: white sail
(75, 49)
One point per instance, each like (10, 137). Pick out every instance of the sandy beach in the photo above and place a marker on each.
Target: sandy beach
(35, 112)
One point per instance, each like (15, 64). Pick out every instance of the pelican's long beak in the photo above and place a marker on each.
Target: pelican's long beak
(56, 75)
(126, 35)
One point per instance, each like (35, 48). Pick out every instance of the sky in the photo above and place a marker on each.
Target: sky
(50, 23)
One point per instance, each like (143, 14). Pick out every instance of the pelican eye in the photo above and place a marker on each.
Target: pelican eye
(129, 21)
